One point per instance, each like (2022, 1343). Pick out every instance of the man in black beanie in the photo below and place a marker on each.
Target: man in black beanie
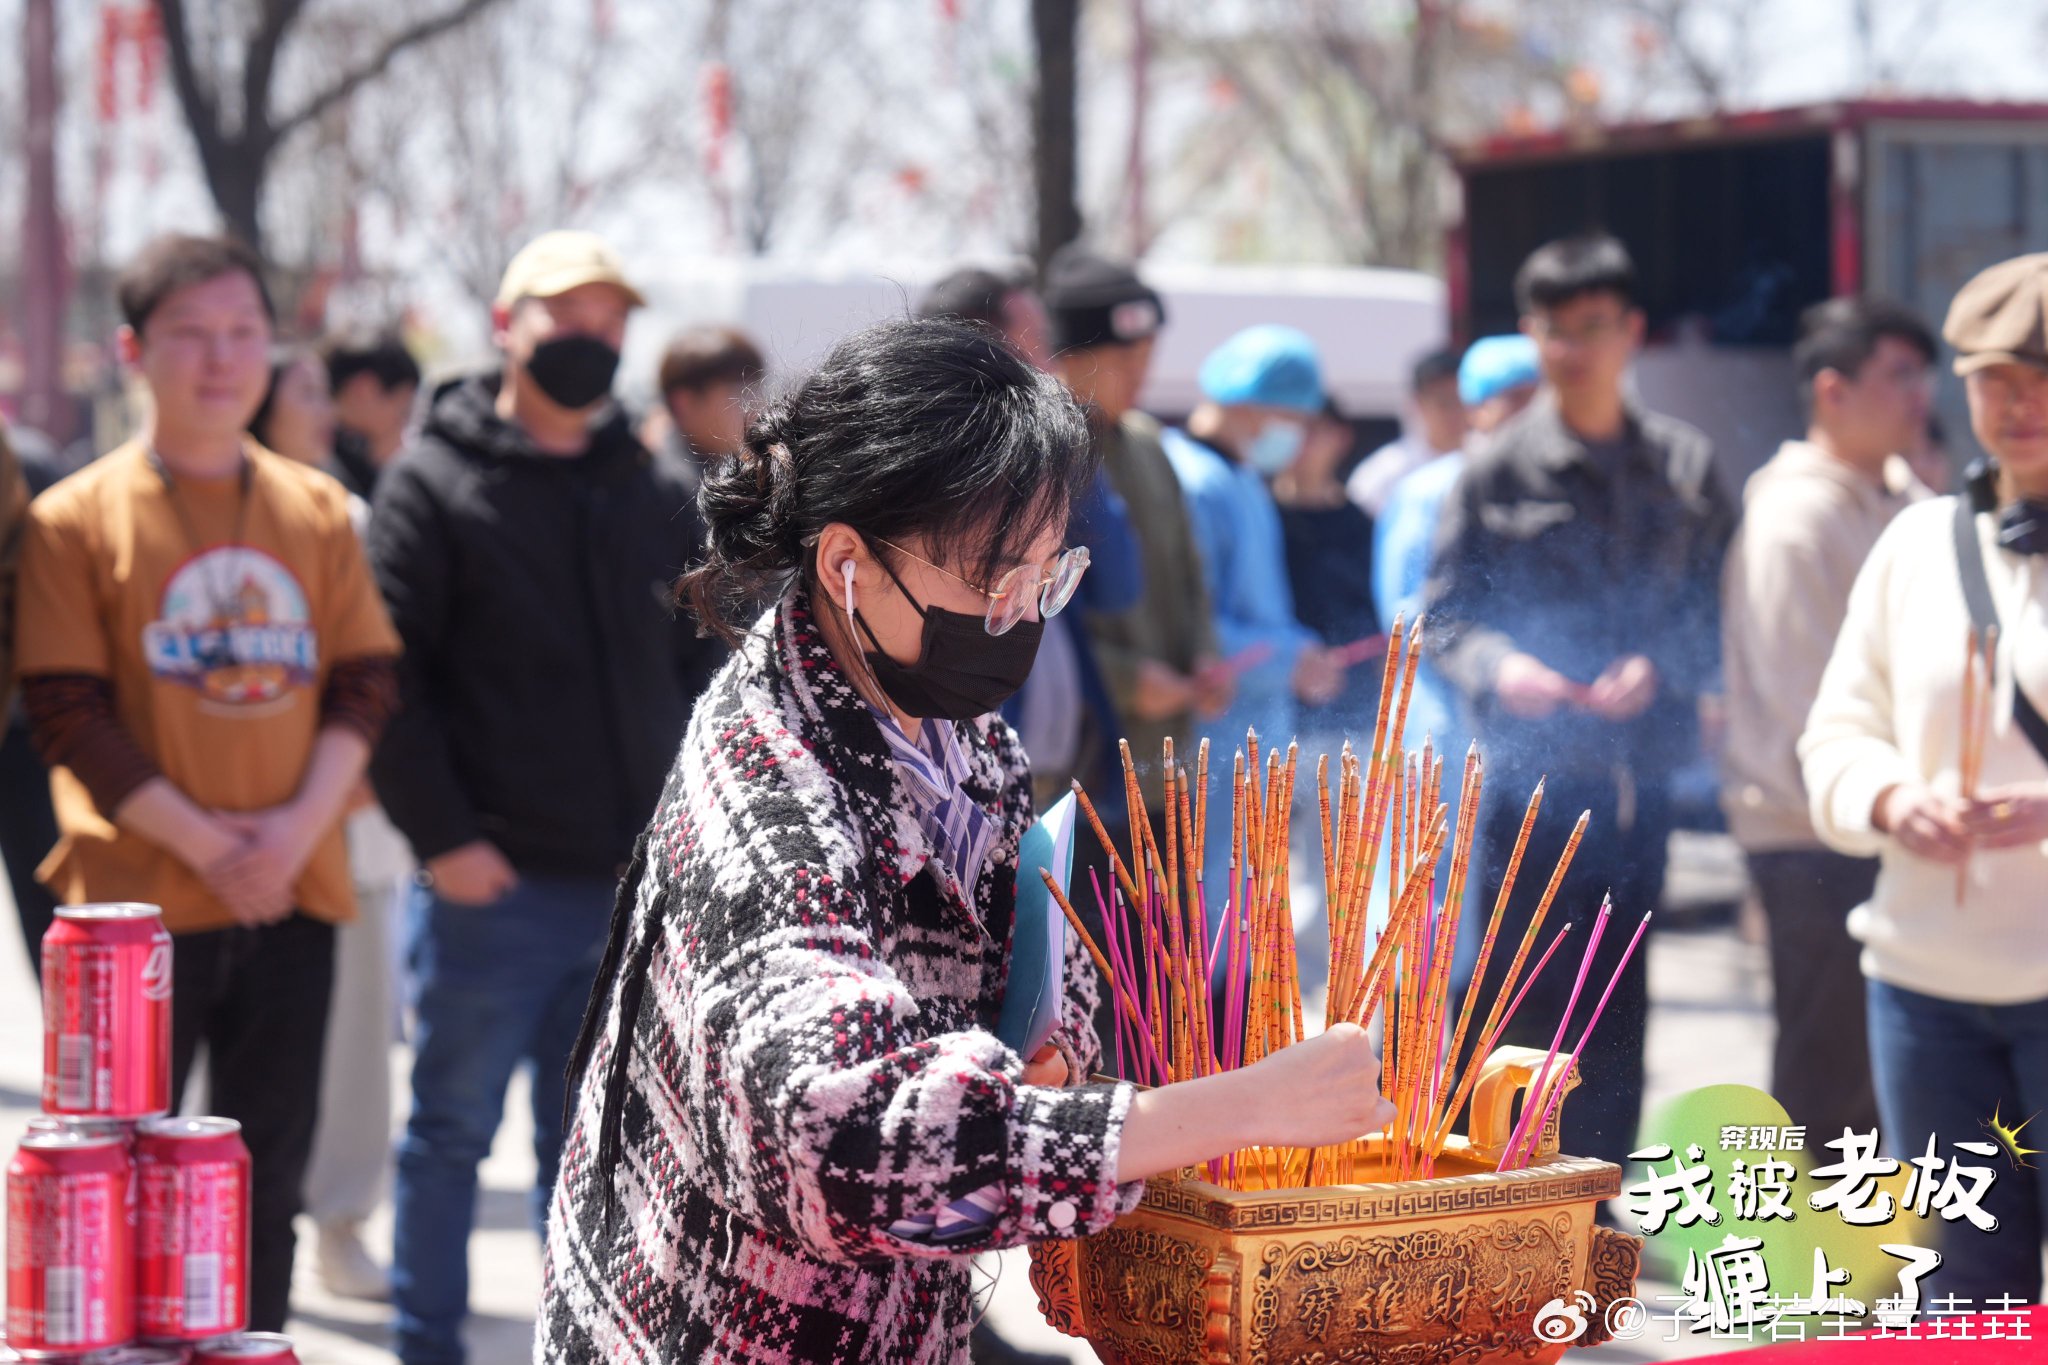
(1160, 655)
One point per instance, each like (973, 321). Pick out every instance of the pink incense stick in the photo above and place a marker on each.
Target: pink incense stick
(1493, 1035)
(1158, 969)
(1208, 975)
(1550, 1105)
(1360, 650)
(1236, 998)
(1143, 1036)
(1125, 983)
(1125, 963)
(1222, 925)
(1248, 658)
(1138, 941)
(1113, 943)
(1557, 1040)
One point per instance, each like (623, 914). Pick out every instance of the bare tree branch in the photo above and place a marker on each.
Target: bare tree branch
(193, 94)
(258, 69)
(373, 66)
(236, 160)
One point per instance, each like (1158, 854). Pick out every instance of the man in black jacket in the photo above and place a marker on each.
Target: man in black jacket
(525, 545)
(1573, 601)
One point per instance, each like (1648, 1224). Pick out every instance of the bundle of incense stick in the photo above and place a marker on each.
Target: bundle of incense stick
(1195, 995)
(1980, 673)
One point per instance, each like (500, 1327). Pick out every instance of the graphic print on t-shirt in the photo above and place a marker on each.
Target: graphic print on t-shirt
(233, 625)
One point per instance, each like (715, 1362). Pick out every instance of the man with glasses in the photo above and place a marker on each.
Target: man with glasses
(1572, 605)
(1809, 519)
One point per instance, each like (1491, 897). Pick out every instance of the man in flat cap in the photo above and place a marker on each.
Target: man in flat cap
(525, 544)
(1939, 768)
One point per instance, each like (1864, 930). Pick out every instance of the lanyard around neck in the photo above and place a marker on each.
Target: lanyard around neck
(244, 476)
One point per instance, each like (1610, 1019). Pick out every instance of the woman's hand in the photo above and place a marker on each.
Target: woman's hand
(1161, 692)
(2008, 817)
(1320, 1091)
(1924, 822)
(1048, 1066)
(1313, 1094)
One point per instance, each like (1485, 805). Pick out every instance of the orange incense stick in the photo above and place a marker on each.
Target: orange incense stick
(1116, 859)
(1333, 918)
(1500, 905)
(1109, 976)
(1514, 972)
(1410, 904)
(1198, 941)
(1414, 656)
(1390, 672)
(1980, 664)
(1966, 741)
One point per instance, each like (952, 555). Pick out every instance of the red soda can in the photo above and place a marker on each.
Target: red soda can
(192, 1229)
(247, 1348)
(70, 1246)
(107, 1012)
(140, 1355)
(120, 1130)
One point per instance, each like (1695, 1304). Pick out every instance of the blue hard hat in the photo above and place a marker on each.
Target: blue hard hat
(1493, 365)
(1268, 365)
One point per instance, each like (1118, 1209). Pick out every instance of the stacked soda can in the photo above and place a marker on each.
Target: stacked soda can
(127, 1231)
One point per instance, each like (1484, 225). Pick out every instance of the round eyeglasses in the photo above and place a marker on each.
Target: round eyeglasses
(1012, 595)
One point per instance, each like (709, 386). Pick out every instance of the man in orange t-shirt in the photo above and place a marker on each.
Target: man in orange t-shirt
(207, 663)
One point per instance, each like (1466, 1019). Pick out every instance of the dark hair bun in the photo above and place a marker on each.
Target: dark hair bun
(749, 502)
(916, 429)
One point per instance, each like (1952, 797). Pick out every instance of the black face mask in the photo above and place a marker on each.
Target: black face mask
(962, 671)
(574, 371)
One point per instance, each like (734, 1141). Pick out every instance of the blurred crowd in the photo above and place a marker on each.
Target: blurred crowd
(372, 686)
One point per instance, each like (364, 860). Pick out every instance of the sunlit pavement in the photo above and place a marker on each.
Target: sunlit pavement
(1709, 1023)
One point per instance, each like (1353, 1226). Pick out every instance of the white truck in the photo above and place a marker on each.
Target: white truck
(1738, 222)
(1370, 324)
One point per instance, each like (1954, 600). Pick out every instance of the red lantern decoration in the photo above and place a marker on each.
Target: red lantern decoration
(717, 114)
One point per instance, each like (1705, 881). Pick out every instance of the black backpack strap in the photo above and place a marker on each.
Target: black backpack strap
(1984, 614)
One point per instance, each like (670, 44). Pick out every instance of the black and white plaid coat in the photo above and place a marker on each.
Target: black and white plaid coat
(810, 1060)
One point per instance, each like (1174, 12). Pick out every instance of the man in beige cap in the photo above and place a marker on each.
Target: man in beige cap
(1952, 797)
(525, 544)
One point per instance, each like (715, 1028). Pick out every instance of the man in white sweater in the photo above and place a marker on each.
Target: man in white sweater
(1957, 984)
(1809, 518)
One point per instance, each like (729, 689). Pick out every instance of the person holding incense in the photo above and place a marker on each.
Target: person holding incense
(1497, 378)
(1260, 390)
(1159, 655)
(1925, 748)
(1323, 533)
(791, 1125)
(1571, 604)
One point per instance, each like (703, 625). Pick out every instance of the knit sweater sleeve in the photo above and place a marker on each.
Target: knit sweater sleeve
(1850, 753)
(841, 1122)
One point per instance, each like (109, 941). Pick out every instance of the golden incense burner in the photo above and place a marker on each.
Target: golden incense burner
(1454, 1268)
